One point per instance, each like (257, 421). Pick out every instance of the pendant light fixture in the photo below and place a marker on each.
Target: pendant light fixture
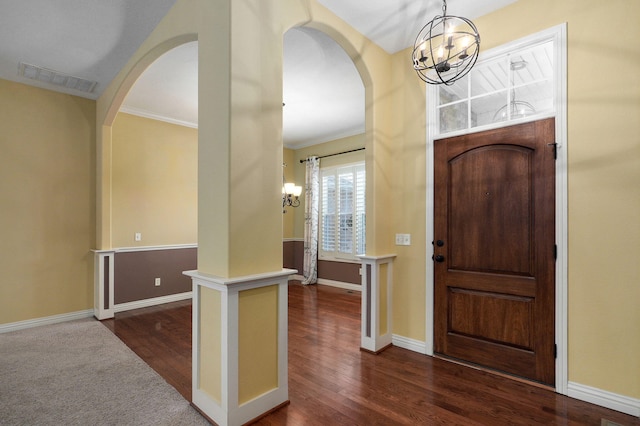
(514, 109)
(446, 48)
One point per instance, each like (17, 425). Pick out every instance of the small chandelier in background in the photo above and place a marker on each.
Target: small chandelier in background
(290, 193)
(446, 48)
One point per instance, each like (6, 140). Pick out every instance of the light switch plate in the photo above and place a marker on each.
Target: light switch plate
(403, 239)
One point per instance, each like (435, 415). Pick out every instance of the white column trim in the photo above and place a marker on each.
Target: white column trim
(228, 412)
(371, 338)
(100, 273)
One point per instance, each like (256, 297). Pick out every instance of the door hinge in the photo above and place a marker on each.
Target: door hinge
(555, 150)
(555, 351)
(555, 252)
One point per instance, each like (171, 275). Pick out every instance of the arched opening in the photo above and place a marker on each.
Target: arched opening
(154, 181)
(324, 116)
(149, 186)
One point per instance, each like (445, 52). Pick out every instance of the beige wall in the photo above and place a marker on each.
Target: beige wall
(154, 182)
(409, 200)
(47, 214)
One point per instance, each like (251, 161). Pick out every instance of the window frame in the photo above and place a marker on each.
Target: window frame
(336, 255)
(495, 55)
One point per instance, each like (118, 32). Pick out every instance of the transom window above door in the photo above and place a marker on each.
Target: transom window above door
(513, 86)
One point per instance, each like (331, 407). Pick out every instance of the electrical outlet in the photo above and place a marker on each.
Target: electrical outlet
(138, 236)
(398, 239)
(157, 282)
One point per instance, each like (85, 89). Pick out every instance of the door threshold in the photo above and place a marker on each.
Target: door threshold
(495, 372)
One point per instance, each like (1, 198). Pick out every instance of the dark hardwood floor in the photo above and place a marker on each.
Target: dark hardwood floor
(332, 382)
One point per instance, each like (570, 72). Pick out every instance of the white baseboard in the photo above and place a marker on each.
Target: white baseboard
(37, 322)
(410, 344)
(121, 307)
(331, 283)
(604, 398)
(340, 284)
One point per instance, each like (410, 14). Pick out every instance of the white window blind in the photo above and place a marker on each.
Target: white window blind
(342, 207)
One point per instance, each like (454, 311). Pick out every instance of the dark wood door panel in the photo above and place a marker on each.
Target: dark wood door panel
(475, 314)
(510, 284)
(518, 362)
(501, 242)
(494, 210)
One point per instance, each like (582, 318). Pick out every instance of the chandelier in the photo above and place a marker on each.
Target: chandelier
(446, 48)
(290, 195)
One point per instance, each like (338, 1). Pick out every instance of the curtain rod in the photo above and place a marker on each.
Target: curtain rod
(338, 153)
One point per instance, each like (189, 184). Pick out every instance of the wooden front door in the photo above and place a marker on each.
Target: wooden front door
(494, 249)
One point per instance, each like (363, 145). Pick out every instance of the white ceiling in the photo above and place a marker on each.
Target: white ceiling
(394, 24)
(322, 90)
(90, 39)
(93, 39)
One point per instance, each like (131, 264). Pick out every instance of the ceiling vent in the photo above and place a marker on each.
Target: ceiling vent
(56, 78)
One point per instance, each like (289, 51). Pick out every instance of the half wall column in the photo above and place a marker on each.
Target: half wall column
(377, 302)
(239, 288)
(239, 345)
(103, 300)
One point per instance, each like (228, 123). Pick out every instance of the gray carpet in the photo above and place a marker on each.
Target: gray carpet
(79, 373)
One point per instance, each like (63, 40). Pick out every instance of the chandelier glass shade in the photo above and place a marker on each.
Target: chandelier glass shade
(514, 109)
(446, 49)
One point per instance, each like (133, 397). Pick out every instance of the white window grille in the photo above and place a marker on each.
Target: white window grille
(342, 212)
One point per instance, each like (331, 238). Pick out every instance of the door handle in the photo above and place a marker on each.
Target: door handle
(438, 258)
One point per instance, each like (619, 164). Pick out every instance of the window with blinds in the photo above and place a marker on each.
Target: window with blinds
(342, 212)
